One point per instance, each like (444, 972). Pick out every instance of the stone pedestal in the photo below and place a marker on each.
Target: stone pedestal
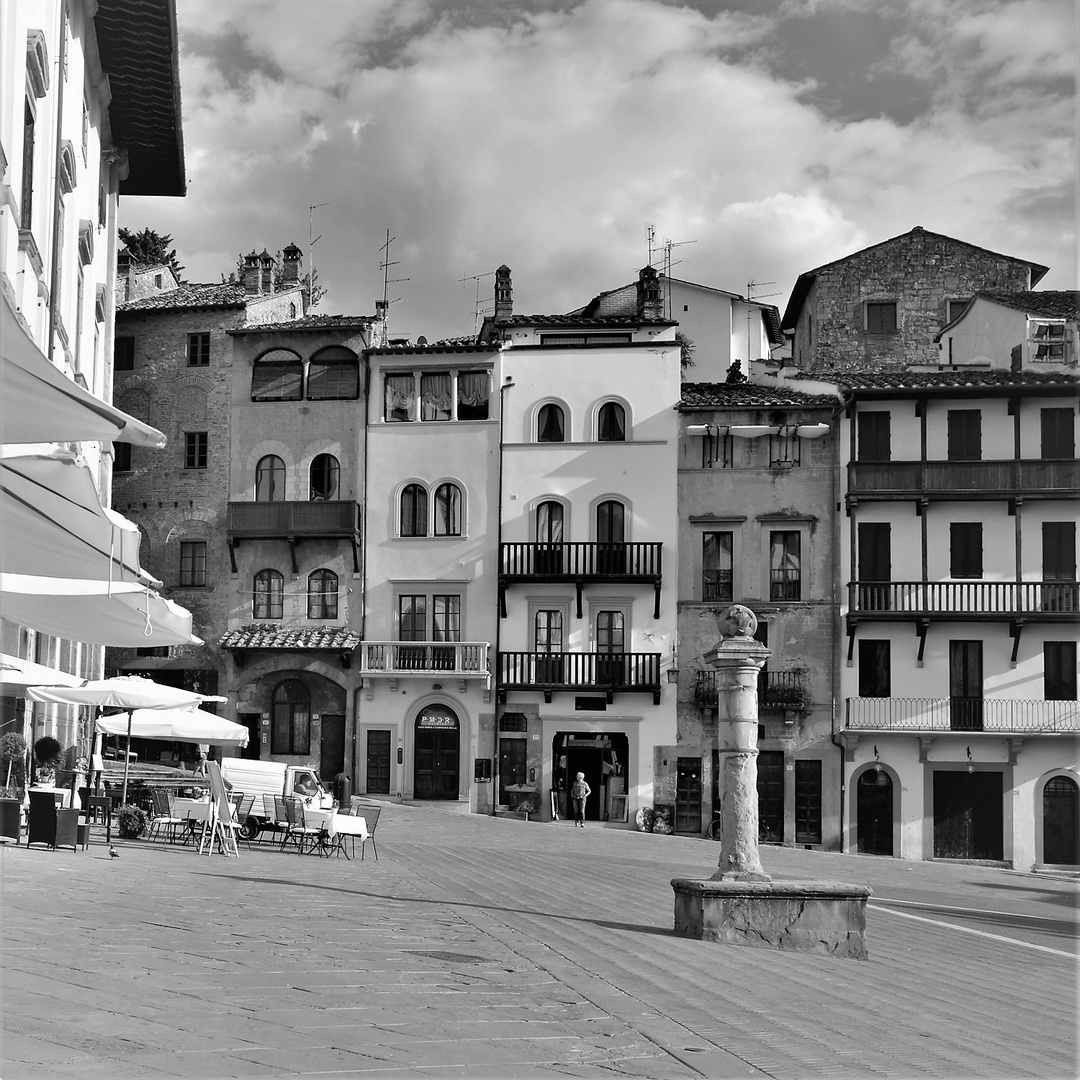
(792, 916)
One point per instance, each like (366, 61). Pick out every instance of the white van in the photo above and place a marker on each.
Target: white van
(261, 778)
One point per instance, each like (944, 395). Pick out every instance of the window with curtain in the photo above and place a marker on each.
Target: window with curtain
(448, 510)
(399, 392)
(270, 479)
(549, 523)
(333, 375)
(473, 391)
(290, 724)
(717, 566)
(322, 597)
(269, 592)
(277, 375)
(785, 559)
(414, 510)
(436, 396)
(611, 422)
(550, 424)
(324, 477)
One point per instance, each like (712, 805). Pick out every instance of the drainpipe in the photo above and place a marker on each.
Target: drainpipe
(363, 573)
(58, 199)
(506, 384)
(838, 636)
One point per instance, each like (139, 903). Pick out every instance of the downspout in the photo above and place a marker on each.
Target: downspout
(363, 574)
(58, 199)
(506, 384)
(838, 636)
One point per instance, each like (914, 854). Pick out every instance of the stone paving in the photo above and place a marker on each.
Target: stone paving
(496, 948)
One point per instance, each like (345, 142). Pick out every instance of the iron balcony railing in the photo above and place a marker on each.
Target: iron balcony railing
(1005, 716)
(570, 562)
(609, 672)
(402, 659)
(963, 479)
(776, 690)
(270, 520)
(1054, 600)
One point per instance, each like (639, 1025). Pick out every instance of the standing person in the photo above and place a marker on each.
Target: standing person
(579, 792)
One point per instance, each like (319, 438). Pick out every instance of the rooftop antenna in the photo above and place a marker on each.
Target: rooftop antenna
(479, 304)
(311, 250)
(651, 232)
(668, 264)
(387, 281)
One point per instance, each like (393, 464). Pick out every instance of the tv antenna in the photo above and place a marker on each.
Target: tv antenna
(311, 250)
(668, 264)
(750, 301)
(387, 281)
(479, 304)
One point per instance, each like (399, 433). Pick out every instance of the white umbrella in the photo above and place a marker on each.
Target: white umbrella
(123, 692)
(16, 674)
(176, 725)
(39, 403)
(122, 614)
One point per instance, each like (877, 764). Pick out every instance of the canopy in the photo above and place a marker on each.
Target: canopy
(176, 725)
(39, 403)
(16, 674)
(125, 692)
(52, 521)
(122, 614)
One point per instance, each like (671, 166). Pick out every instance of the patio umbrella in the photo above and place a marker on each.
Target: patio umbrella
(176, 725)
(16, 674)
(39, 403)
(123, 692)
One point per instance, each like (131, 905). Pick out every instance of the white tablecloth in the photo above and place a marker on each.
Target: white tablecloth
(192, 809)
(335, 824)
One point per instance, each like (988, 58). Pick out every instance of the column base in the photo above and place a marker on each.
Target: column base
(791, 916)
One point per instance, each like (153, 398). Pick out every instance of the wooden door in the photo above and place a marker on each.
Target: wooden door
(1061, 822)
(437, 763)
(874, 814)
(968, 816)
(332, 747)
(377, 765)
(770, 788)
(688, 796)
(253, 722)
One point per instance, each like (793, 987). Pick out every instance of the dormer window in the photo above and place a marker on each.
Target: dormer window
(1048, 340)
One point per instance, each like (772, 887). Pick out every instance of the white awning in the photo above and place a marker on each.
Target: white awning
(753, 431)
(39, 403)
(122, 614)
(811, 431)
(175, 725)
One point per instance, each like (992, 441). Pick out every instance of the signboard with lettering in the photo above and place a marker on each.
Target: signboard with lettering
(437, 718)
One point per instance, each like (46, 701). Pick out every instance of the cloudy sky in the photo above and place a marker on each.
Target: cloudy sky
(761, 138)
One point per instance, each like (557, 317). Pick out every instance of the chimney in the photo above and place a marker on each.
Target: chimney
(266, 272)
(504, 294)
(249, 276)
(649, 303)
(290, 266)
(125, 271)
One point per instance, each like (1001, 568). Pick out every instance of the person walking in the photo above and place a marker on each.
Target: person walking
(579, 792)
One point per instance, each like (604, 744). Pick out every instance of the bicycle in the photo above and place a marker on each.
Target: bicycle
(716, 828)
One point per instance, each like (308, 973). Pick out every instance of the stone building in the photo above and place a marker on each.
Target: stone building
(880, 309)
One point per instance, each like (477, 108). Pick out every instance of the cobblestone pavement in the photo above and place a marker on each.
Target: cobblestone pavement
(495, 948)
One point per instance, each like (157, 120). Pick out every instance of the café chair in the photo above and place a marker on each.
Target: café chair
(370, 814)
(298, 832)
(163, 820)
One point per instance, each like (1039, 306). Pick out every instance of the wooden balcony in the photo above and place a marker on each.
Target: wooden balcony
(898, 601)
(294, 522)
(581, 564)
(877, 480)
(457, 660)
(1006, 716)
(606, 673)
(777, 690)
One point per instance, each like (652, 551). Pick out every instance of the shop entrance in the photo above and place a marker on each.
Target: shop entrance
(602, 756)
(968, 815)
(874, 813)
(437, 759)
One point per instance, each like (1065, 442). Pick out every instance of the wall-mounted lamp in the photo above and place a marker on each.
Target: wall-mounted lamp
(971, 764)
(436, 686)
(877, 760)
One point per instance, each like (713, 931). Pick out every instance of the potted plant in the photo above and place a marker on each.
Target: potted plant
(131, 822)
(13, 755)
(47, 755)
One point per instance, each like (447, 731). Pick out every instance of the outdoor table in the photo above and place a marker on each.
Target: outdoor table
(335, 827)
(193, 811)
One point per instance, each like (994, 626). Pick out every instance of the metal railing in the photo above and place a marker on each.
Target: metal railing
(461, 659)
(1002, 715)
(967, 598)
(580, 671)
(776, 690)
(643, 562)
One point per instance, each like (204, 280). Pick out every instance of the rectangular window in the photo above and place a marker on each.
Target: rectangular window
(1059, 590)
(965, 549)
(1048, 341)
(875, 669)
(412, 617)
(785, 566)
(472, 395)
(717, 567)
(873, 436)
(26, 205)
(1058, 434)
(436, 401)
(193, 563)
(198, 350)
(1059, 670)
(196, 445)
(400, 390)
(965, 434)
(121, 457)
(881, 316)
(807, 802)
(956, 309)
(124, 354)
(446, 618)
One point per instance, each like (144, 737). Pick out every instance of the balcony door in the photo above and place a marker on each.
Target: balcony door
(1059, 566)
(875, 565)
(610, 646)
(611, 537)
(270, 479)
(548, 645)
(549, 538)
(966, 685)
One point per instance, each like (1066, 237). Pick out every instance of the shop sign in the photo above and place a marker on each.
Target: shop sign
(601, 743)
(430, 719)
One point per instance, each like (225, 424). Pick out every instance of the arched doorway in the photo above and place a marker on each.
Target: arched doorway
(436, 763)
(874, 813)
(1061, 822)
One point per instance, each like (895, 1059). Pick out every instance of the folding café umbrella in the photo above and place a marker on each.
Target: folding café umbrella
(130, 692)
(16, 674)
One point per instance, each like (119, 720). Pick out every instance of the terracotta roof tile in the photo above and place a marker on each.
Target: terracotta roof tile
(332, 638)
(190, 296)
(308, 322)
(751, 395)
(951, 379)
(1051, 303)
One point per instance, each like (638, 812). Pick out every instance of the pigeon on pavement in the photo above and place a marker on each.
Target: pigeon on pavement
(113, 853)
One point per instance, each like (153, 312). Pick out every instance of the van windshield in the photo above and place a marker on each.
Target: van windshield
(305, 784)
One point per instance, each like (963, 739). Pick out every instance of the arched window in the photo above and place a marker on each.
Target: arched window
(266, 601)
(270, 479)
(550, 426)
(333, 375)
(290, 724)
(448, 510)
(324, 477)
(610, 537)
(322, 595)
(414, 510)
(549, 537)
(278, 375)
(611, 422)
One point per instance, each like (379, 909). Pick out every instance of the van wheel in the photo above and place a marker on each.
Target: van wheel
(250, 829)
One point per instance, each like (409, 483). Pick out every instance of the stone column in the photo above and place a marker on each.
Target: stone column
(738, 659)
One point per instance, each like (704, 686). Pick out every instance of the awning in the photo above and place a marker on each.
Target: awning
(16, 674)
(753, 431)
(38, 403)
(176, 725)
(123, 614)
(123, 692)
(52, 522)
